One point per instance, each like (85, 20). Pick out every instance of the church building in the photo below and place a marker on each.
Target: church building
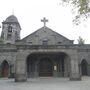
(43, 53)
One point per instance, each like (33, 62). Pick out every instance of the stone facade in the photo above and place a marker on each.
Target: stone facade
(40, 54)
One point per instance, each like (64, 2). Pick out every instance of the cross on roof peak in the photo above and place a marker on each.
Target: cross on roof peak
(13, 12)
(44, 20)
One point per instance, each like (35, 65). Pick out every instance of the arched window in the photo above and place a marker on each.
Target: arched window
(9, 34)
(9, 29)
(84, 67)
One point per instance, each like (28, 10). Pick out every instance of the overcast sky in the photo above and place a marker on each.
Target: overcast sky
(30, 13)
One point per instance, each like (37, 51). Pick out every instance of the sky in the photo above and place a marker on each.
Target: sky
(30, 13)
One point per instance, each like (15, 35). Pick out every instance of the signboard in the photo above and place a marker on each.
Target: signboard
(55, 67)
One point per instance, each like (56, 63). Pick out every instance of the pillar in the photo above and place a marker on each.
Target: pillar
(74, 69)
(0, 70)
(36, 69)
(20, 70)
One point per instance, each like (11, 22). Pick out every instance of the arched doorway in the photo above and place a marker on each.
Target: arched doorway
(5, 69)
(45, 67)
(56, 64)
(84, 67)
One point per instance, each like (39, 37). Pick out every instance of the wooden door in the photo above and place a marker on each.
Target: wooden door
(5, 69)
(45, 67)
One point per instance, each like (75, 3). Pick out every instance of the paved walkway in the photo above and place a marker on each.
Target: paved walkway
(45, 84)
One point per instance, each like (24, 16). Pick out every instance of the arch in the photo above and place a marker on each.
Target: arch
(4, 69)
(55, 60)
(84, 67)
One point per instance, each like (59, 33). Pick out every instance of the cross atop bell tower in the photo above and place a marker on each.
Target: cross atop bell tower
(44, 20)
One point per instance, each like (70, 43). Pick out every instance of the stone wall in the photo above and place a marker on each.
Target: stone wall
(17, 55)
(8, 53)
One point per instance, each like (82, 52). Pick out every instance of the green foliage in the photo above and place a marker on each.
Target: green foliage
(82, 7)
(81, 41)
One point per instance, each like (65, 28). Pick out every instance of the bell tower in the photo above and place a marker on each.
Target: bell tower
(10, 30)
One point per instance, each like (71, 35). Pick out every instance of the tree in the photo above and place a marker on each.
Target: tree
(81, 41)
(82, 7)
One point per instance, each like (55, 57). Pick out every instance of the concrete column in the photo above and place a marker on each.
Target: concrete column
(36, 69)
(74, 72)
(0, 70)
(55, 74)
(20, 71)
(88, 69)
(65, 67)
(60, 67)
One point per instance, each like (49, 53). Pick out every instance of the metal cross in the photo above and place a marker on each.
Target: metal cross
(44, 20)
(13, 12)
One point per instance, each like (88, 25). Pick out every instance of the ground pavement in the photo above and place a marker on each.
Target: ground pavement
(46, 83)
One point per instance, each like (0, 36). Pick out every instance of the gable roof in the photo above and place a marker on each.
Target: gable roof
(48, 34)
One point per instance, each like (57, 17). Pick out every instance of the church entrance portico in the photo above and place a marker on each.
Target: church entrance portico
(34, 64)
(48, 65)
